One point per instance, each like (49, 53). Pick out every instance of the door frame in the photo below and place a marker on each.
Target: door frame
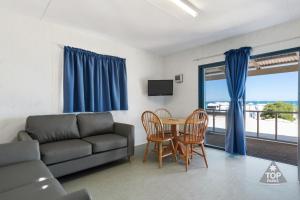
(201, 86)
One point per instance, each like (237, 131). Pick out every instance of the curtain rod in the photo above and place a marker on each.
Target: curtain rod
(261, 45)
(62, 46)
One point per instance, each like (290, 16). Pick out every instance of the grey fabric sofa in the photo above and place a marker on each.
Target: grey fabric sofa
(70, 143)
(24, 176)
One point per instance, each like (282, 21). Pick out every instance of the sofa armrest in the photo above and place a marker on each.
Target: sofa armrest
(15, 152)
(24, 136)
(126, 130)
(78, 195)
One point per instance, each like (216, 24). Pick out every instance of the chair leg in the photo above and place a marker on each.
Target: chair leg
(155, 147)
(204, 154)
(191, 151)
(176, 145)
(173, 150)
(146, 152)
(160, 148)
(186, 157)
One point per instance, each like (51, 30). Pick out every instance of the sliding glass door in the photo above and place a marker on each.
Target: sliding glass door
(271, 105)
(216, 104)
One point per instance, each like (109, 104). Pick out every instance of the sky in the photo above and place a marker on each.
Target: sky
(273, 87)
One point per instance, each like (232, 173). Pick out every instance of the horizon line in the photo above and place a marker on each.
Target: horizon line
(254, 100)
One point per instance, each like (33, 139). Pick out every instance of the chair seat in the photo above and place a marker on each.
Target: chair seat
(188, 140)
(168, 132)
(65, 150)
(160, 138)
(106, 142)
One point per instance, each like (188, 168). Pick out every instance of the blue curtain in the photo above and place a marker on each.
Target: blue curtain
(236, 71)
(93, 82)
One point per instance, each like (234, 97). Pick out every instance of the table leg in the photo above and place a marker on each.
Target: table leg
(175, 131)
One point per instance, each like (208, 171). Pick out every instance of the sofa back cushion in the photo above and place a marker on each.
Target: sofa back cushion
(95, 123)
(50, 128)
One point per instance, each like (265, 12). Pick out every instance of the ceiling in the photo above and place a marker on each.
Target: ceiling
(158, 25)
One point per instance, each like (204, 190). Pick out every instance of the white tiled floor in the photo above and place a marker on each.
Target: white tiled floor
(228, 177)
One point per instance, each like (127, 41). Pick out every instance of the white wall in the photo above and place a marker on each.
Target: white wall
(31, 62)
(185, 97)
(31, 69)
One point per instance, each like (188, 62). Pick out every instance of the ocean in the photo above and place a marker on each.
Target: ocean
(295, 103)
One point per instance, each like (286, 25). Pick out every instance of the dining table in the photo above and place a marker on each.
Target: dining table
(175, 123)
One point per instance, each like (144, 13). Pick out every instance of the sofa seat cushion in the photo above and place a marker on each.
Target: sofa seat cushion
(51, 128)
(106, 142)
(48, 189)
(90, 124)
(65, 150)
(16, 175)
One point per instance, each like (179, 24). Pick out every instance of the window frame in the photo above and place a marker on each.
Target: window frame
(201, 88)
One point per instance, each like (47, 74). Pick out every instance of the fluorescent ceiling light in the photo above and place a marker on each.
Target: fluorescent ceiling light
(184, 6)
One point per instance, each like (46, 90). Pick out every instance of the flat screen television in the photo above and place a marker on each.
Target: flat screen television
(160, 87)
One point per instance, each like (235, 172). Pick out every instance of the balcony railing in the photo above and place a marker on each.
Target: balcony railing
(255, 115)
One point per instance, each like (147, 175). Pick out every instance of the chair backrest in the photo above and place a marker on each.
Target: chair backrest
(152, 124)
(163, 113)
(195, 126)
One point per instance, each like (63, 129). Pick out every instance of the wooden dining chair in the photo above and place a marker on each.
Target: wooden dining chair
(164, 113)
(155, 133)
(194, 134)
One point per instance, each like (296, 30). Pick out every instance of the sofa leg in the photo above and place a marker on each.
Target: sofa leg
(129, 158)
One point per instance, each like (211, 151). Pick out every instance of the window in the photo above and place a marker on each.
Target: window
(94, 82)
